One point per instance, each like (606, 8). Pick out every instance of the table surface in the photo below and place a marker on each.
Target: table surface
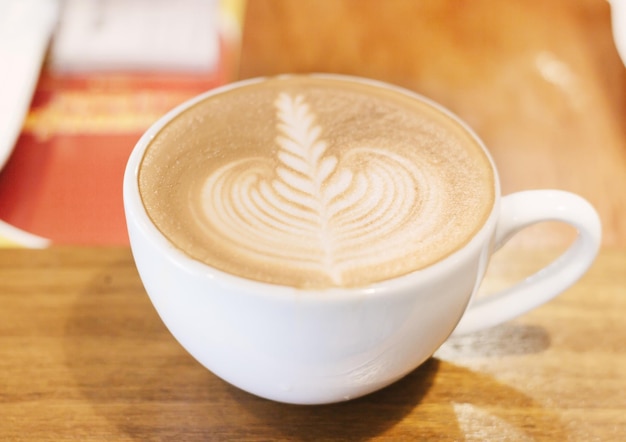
(84, 356)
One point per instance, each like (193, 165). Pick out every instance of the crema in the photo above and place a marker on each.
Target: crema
(316, 182)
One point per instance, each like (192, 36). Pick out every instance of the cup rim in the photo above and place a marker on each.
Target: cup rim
(133, 206)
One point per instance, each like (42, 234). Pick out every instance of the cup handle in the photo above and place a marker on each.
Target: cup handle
(521, 210)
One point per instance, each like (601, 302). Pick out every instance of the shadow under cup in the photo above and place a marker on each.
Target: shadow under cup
(304, 339)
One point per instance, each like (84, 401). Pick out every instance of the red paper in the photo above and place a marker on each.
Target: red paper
(63, 180)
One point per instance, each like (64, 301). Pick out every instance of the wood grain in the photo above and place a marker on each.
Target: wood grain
(84, 356)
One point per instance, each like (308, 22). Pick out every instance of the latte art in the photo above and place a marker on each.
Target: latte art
(314, 211)
(316, 183)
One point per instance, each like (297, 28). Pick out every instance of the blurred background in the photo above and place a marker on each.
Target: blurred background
(540, 81)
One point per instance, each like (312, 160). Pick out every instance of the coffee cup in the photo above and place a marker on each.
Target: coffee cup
(314, 238)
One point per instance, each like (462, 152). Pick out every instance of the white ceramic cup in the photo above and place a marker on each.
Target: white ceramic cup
(310, 347)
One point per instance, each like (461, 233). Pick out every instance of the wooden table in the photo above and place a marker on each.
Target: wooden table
(84, 356)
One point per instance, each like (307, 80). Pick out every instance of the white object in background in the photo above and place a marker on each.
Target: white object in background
(618, 21)
(14, 236)
(137, 35)
(25, 30)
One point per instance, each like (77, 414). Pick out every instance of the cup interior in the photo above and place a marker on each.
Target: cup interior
(140, 222)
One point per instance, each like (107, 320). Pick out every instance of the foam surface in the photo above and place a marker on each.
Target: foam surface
(316, 183)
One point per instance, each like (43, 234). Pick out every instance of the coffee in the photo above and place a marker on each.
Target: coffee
(316, 182)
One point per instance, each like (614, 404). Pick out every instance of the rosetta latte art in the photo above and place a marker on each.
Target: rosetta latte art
(325, 213)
